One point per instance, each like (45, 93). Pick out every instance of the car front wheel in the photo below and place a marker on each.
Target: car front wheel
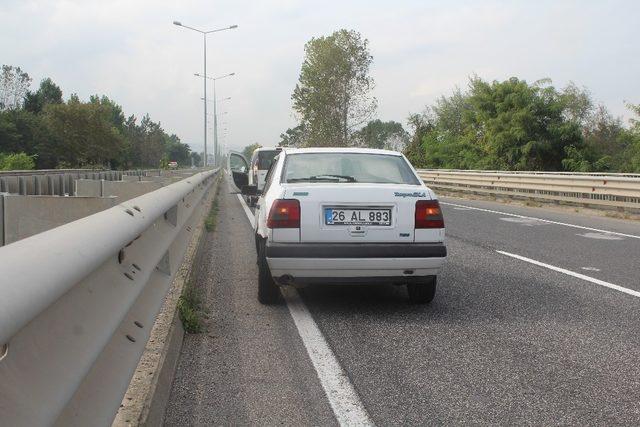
(422, 293)
(268, 292)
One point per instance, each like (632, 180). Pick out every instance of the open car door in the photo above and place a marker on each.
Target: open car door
(238, 168)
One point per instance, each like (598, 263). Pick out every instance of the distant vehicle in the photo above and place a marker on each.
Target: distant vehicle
(261, 160)
(345, 215)
(173, 165)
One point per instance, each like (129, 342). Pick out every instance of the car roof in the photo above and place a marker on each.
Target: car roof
(268, 149)
(341, 150)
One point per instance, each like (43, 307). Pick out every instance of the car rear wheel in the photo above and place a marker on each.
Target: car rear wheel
(268, 292)
(422, 293)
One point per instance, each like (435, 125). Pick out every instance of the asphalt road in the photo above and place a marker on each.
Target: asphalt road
(506, 341)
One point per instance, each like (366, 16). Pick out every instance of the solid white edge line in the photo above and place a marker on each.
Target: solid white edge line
(342, 396)
(541, 219)
(247, 211)
(572, 273)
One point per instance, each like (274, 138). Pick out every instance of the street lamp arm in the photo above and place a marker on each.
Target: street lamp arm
(231, 27)
(180, 24)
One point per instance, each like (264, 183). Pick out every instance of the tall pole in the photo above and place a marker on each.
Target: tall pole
(215, 123)
(204, 33)
(205, 100)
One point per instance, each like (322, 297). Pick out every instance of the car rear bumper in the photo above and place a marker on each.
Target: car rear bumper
(360, 263)
(356, 250)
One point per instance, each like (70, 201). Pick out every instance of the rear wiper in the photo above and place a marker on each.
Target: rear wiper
(328, 177)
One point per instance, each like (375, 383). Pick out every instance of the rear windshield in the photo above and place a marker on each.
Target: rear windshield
(348, 167)
(265, 158)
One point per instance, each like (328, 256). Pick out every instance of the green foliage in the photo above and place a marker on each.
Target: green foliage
(509, 125)
(210, 221)
(78, 134)
(47, 93)
(384, 135)
(196, 158)
(247, 151)
(190, 309)
(332, 96)
(294, 137)
(17, 161)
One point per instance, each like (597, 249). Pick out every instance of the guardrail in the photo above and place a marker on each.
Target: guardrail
(77, 304)
(606, 190)
(59, 182)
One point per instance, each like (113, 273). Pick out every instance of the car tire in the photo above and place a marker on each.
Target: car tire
(268, 292)
(422, 293)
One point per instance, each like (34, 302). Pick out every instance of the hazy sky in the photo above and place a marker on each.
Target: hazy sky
(130, 51)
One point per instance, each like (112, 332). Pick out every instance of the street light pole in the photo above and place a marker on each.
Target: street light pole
(215, 102)
(204, 34)
(206, 159)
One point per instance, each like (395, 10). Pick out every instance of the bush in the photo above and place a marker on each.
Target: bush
(191, 310)
(17, 161)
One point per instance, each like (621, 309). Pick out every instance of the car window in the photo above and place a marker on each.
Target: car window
(237, 163)
(348, 167)
(270, 174)
(265, 158)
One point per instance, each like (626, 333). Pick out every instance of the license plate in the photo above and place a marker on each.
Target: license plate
(338, 216)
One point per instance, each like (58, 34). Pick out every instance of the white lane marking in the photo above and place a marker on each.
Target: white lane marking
(247, 211)
(600, 236)
(540, 219)
(342, 396)
(529, 222)
(590, 268)
(573, 273)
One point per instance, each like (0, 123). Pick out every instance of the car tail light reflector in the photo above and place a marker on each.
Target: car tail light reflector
(284, 213)
(428, 214)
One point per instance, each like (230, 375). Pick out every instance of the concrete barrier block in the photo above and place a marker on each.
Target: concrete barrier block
(128, 190)
(25, 216)
(88, 188)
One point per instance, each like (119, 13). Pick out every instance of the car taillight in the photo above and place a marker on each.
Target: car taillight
(428, 214)
(284, 213)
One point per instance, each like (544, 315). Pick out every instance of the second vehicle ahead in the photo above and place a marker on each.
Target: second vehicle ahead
(261, 160)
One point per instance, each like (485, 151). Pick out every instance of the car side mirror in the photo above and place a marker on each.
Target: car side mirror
(250, 190)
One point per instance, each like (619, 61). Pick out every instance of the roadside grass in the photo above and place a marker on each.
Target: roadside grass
(191, 309)
(210, 221)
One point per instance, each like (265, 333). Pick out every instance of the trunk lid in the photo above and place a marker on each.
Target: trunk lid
(356, 201)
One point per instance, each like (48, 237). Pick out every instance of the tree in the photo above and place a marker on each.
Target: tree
(81, 134)
(196, 158)
(421, 125)
(47, 93)
(247, 152)
(14, 84)
(332, 96)
(18, 161)
(378, 134)
(293, 137)
(177, 151)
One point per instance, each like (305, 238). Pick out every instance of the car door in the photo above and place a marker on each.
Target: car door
(238, 169)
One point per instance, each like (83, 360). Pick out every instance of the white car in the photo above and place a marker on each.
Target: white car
(346, 215)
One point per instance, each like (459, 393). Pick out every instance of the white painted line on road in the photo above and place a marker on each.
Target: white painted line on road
(540, 219)
(342, 396)
(574, 274)
(247, 211)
